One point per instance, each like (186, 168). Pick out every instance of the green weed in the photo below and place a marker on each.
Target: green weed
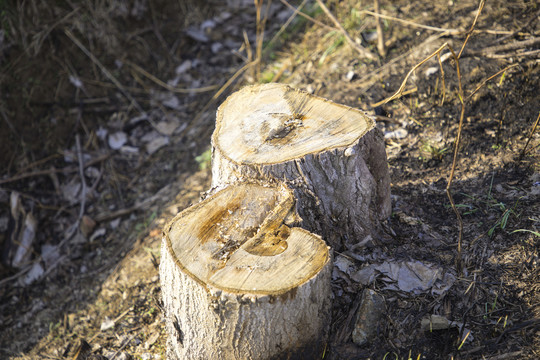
(432, 152)
(204, 160)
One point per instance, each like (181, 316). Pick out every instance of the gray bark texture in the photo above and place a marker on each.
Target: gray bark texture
(244, 287)
(342, 192)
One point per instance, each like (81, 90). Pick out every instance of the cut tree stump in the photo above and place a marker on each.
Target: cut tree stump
(332, 155)
(239, 281)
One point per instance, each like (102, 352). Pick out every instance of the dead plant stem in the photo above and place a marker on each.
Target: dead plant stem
(303, 14)
(459, 264)
(106, 72)
(53, 170)
(167, 86)
(84, 188)
(443, 85)
(489, 78)
(471, 30)
(360, 49)
(296, 11)
(399, 92)
(380, 35)
(377, 14)
(533, 130)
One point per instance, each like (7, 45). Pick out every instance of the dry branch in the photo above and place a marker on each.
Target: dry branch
(380, 35)
(533, 130)
(315, 21)
(360, 49)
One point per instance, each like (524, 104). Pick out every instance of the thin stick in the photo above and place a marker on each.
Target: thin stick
(260, 38)
(53, 171)
(399, 92)
(530, 137)
(518, 31)
(532, 53)
(303, 14)
(411, 23)
(296, 11)
(380, 36)
(510, 46)
(489, 78)
(459, 264)
(260, 24)
(81, 174)
(360, 49)
(443, 85)
(379, 72)
(167, 86)
(471, 30)
(433, 28)
(108, 75)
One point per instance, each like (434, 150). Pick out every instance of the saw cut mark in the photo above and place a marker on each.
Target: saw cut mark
(289, 123)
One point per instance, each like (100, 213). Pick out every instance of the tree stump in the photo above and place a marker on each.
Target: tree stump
(239, 281)
(332, 155)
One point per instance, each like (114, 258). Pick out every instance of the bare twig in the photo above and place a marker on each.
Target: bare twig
(443, 85)
(360, 49)
(16, 276)
(260, 37)
(518, 31)
(124, 344)
(533, 130)
(488, 79)
(380, 35)
(315, 21)
(249, 53)
(379, 72)
(68, 169)
(411, 23)
(532, 53)
(459, 263)
(399, 92)
(533, 323)
(296, 11)
(81, 174)
(510, 46)
(434, 28)
(471, 30)
(167, 86)
(258, 7)
(108, 75)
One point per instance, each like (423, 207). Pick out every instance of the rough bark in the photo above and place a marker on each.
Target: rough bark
(332, 155)
(239, 281)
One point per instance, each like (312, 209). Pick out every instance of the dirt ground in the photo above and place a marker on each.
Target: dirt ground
(107, 109)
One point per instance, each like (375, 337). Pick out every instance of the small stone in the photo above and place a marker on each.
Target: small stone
(435, 322)
(117, 140)
(87, 225)
(106, 324)
(368, 317)
(157, 144)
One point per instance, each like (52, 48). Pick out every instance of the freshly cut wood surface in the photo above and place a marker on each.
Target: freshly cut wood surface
(236, 241)
(272, 123)
(239, 281)
(332, 155)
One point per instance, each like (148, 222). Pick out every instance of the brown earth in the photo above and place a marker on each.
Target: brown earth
(100, 294)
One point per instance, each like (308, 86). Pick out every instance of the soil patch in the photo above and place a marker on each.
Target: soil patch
(107, 115)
